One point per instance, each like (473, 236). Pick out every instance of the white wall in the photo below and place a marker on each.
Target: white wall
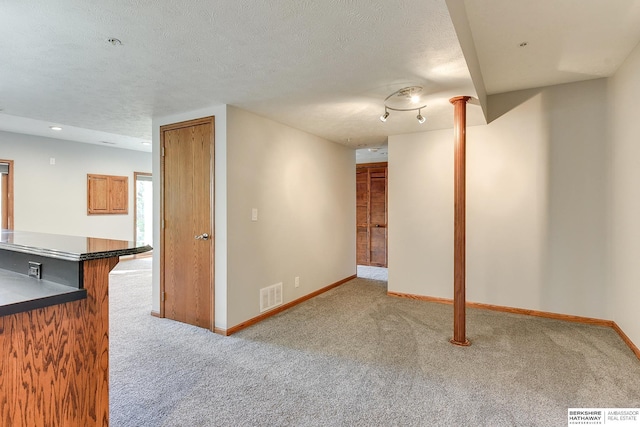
(625, 197)
(536, 204)
(53, 198)
(220, 200)
(304, 189)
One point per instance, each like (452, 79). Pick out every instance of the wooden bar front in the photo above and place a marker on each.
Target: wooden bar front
(54, 367)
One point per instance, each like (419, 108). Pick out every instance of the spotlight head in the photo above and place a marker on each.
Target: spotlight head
(383, 118)
(420, 118)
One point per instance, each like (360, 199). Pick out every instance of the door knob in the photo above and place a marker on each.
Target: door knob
(203, 236)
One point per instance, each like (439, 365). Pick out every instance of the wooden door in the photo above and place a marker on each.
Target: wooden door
(378, 217)
(187, 234)
(371, 214)
(362, 216)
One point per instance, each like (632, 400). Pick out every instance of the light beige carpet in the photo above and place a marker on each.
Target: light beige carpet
(356, 357)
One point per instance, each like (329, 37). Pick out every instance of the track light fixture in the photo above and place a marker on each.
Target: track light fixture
(404, 99)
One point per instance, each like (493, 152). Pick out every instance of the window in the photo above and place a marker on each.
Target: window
(144, 208)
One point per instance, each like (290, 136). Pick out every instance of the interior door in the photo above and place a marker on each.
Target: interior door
(187, 222)
(378, 217)
(362, 216)
(371, 214)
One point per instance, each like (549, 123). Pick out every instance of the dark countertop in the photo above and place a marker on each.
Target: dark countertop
(70, 248)
(60, 258)
(19, 292)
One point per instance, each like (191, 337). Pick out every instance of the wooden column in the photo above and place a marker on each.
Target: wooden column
(459, 278)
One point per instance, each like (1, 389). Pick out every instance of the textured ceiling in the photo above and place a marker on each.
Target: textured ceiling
(566, 40)
(321, 66)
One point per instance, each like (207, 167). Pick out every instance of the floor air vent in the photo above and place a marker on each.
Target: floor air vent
(270, 297)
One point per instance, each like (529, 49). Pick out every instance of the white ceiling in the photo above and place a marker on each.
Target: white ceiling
(321, 66)
(566, 40)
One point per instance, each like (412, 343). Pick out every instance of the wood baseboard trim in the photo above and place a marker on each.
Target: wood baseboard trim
(280, 309)
(527, 312)
(626, 339)
(155, 313)
(421, 297)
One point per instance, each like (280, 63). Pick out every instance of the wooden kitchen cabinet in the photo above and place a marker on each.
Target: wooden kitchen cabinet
(107, 194)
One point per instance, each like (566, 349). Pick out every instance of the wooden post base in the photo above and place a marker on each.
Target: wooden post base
(465, 343)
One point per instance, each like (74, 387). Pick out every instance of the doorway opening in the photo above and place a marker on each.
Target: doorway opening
(371, 220)
(6, 194)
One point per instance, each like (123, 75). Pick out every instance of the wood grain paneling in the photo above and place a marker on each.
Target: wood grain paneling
(54, 370)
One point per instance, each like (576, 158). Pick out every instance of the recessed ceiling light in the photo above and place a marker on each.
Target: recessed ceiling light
(114, 41)
(55, 128)
(146, 143)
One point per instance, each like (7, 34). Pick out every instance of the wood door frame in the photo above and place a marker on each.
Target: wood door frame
(7, 185)
(372, 165)
(135, 211)
(204, 120)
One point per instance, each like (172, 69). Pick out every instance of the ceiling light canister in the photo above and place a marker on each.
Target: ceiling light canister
(420, 118)
(383, 118)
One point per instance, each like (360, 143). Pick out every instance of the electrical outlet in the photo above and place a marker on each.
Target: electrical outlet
(297, 281)
(35, 270)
